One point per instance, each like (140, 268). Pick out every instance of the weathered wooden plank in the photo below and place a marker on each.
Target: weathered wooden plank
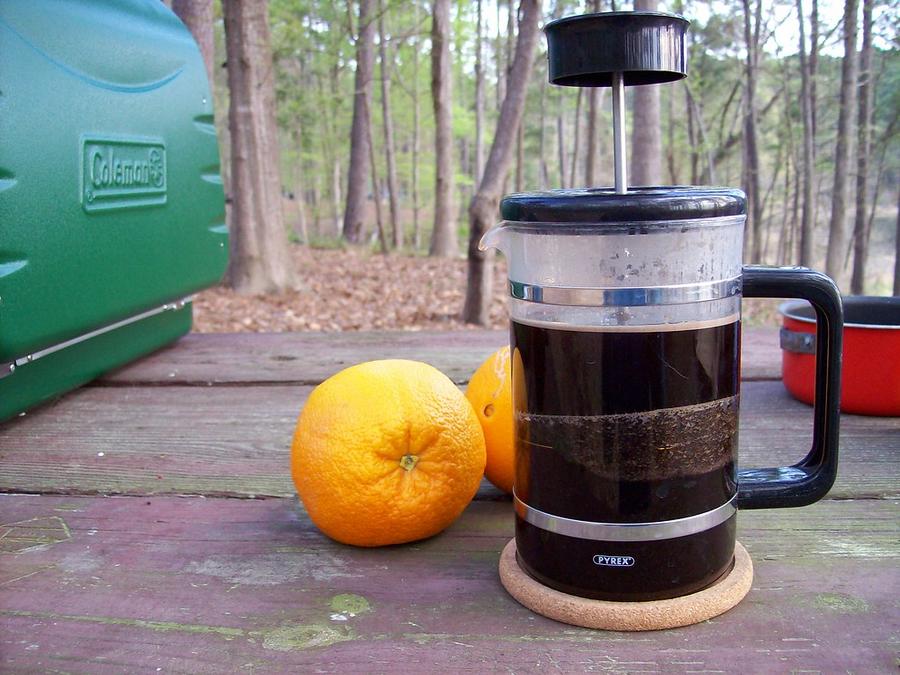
(304, 358)
(213, 585)
(308, 358)
(235, 440)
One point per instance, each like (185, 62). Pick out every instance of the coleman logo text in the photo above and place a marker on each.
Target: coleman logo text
(122, 172)
(614, 560)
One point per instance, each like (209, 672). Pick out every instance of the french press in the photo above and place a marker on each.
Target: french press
(625, 336)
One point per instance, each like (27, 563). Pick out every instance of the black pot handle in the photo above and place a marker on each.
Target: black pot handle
(810, 479)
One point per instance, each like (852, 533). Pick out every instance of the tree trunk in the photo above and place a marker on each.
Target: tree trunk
(837, 230)
(864, 136)
(753, 229)
(260, 257)
(417, 222)
(792, 169)
(591, 159)
(646, 138)
(520, 134)
(300, 188)
(710, 171)
(376, 191)
(814, 66)
(790, 257)
(483, 207)
(573, 175)
(388, 123)
(806, 110)
(897, 249)
(561, 143)
(544, 172)
(479, 98)
(590, 154)
(336, 195)
(692, 137)
(814, 101)
(510, 34)
(498, 60)
(520, 157)
(360, 131)
(325, 134)
(199, 17)
(443, 234)
(670, 138)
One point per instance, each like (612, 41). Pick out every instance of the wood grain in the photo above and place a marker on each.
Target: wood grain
(309, 358)
(202, 583)
(234, 441)
(214, 585)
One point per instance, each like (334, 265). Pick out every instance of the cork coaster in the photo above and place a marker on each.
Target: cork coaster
(628, 616)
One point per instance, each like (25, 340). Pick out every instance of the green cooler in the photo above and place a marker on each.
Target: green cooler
(111, 205)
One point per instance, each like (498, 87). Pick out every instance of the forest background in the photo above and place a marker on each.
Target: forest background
(365, 145)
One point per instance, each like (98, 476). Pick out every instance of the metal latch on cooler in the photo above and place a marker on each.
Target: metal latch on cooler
(8, 368)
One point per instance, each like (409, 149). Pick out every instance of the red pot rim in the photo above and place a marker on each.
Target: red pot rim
(860, 311)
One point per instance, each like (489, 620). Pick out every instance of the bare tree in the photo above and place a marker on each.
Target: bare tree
(752, 20)
(260, 259)
(388, 124)
(897, 249)
(691, 136)
(591, 156)
(479, 98)
(697, 115)
(544, 173)
(520, 135)
(358, 170)
(417, 223)
(864, 137)
(561, 141)
(520, 157)
(814, 64)
(646, 139)
(443, 234)
(670, 140)
(576, 134)
(500, 89)
(199, 17)
(483, 207)
(837, 230)
(376, 190)
(297, 171)
(814, 43)
(806, 110)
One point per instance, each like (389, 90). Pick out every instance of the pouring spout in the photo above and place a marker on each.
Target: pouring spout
(493, 238)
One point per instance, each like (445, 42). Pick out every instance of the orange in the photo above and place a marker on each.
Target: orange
(386, 452)
(489, 392)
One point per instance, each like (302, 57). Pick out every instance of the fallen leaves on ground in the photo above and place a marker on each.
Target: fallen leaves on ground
(353, 289)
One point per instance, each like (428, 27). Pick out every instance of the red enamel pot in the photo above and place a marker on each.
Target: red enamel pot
(871, 364)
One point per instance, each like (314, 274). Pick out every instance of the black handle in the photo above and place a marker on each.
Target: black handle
(810, 479)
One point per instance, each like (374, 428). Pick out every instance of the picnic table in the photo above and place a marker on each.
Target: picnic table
(149, 523)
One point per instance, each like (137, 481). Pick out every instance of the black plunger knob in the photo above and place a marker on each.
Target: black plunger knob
(646, 47)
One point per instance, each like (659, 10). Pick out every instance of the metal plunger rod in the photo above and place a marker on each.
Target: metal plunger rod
(619, 153)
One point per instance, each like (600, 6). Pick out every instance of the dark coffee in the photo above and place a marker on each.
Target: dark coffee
(626, 426)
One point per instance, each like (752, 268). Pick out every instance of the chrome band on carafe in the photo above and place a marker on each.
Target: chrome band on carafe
(626, 296)
(652, 531)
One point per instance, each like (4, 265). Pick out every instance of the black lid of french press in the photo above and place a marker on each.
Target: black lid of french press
(641, 204)
(647, 47)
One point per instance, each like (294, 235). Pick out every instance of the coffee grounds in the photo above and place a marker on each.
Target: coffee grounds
(645, 446)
